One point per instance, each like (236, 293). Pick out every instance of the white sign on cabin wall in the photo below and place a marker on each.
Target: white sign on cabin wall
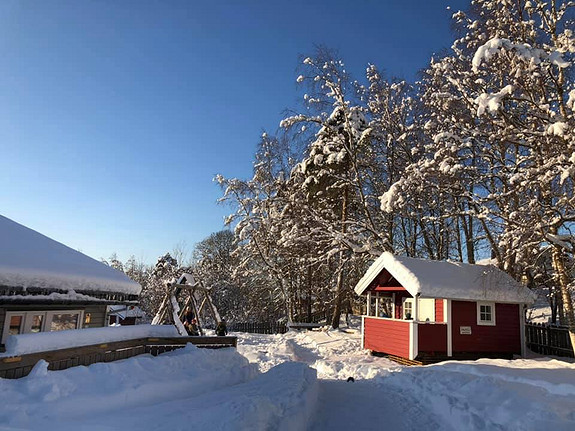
(465, 330)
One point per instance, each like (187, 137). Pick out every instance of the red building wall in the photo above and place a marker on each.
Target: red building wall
(386, 336)
(432, 338)
(504, 337)
(439, 310)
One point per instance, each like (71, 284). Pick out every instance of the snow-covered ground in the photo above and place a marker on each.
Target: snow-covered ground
(294, 381)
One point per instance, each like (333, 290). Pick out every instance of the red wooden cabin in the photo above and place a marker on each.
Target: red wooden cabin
(427, 310)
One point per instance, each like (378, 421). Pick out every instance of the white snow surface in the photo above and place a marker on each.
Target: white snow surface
(448, 280)
(46, 341)
(295, 381)
(30, 259)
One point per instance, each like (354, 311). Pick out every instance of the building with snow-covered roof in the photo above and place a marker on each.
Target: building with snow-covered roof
(124, 314)
(428, 310)
(47, 286)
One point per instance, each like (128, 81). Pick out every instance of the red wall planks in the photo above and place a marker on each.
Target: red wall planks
(387, 336)
(432, 338)
(439, 310)
(505, 337)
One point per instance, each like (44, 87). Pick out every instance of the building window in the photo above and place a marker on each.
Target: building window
(24, 322)
(64, 321)
(15, 325)
(486, 313)
(408, 308)
(36, 323)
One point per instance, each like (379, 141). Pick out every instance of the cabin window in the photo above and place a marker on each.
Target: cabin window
(408, 308)
(36, 323)
(15, 326)
(486, 313)
(61, 321)
(24, 322)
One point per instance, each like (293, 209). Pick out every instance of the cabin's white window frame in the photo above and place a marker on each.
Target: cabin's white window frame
(483, 313)
(412, 308)
(28, 320)
(7, 318)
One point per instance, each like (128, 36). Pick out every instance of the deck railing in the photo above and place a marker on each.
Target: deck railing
(19, 366)
(391, 336)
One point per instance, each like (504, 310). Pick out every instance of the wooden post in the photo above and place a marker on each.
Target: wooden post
(522, 329)
(449, 329)
(368, 312)
(193, 301)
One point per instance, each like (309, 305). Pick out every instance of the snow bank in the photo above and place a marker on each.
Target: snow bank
(45, 341)
(189, 388)
(105, 394)
(335, 354)
(492, 394)
(30, 259)
(451, 280)
(282, 399)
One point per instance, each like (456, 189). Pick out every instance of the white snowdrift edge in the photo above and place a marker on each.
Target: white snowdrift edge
(23, 344)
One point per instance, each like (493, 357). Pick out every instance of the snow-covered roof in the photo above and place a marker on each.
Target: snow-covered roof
(448, 280)
(124, 311)
(29, 259)
(186, 278)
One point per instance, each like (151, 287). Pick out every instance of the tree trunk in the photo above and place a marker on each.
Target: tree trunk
(340, 275)
(309, 292)
(337, 309)
(563, 279)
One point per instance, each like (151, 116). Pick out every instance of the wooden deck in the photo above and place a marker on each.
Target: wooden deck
(434, 359)
(20, 366)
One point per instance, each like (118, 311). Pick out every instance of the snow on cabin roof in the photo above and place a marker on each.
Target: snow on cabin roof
(448, 280)
(29, 259)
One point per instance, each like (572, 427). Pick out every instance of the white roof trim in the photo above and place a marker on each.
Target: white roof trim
(448, 280)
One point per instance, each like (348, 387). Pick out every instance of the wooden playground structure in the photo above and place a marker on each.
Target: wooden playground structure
(187, 292)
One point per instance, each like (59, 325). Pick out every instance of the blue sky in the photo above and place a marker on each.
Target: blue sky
(116, 115)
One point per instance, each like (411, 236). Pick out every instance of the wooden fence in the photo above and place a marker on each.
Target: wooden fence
(301, 321)
(19, 366)
(548, 339)
(259, 327)
(315, 317)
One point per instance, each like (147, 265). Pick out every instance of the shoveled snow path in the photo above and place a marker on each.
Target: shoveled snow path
(337, 355)
(380, 409)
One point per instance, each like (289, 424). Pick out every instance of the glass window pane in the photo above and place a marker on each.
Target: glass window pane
(485, 313)
(36, 323)
(407, 310)
(61, 322)
(15, 325)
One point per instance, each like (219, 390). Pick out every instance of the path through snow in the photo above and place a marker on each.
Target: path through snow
(380, 409)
